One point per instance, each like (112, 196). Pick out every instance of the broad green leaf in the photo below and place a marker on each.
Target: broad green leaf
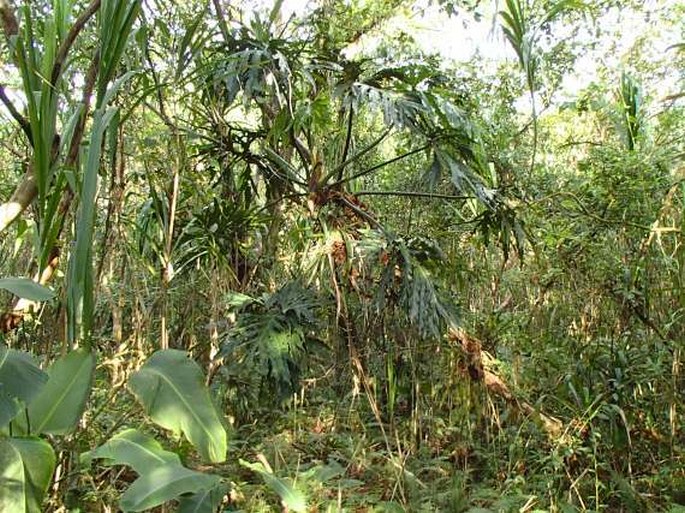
(26, 467)
(206, 501)
(27, 289)
(324, 473)
(164, 484)
(292, 498)
(139, 451)
(171, 388)
(59, 406)
(20, 378)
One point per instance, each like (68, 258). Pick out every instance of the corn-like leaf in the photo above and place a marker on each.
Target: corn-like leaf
(293, 499)
(205, 501)
(80, 287)
(26, 288)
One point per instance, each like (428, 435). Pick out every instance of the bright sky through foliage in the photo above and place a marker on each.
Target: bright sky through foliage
(461, 38)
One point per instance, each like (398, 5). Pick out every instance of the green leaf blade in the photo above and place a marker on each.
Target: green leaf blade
(205, 501)
(26, 467)
(26, 288)
(170, 386)
(291, 497)
(20, 378)
(137, 450)
(58, 407)
(164, 484)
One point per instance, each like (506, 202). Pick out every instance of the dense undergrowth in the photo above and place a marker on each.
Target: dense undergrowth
(262, 272)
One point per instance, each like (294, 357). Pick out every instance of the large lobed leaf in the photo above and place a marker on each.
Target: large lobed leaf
(170, 386)
(26, 467)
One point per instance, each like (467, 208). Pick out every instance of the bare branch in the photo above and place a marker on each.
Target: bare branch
(91, 76)
(64, 48)
(23, 122)
(20, 200)
(382, 164)
(222, 20)
(348, 140)
(358, 155)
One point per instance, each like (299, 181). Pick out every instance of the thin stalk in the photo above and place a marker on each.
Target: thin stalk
(381, 165)
(356, 156)
(222, 20)
(167, 271)
(535, 129)
(348, 140)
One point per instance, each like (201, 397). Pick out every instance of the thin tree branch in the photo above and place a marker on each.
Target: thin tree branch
(23, 122)
(22, 197)
(88, 88)
(160, 99)
(361, 212)
(302, 150)
(357, 156)
(535, 129)
(292, 196)
(66, 45)
(348, 140)
(222, 20)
